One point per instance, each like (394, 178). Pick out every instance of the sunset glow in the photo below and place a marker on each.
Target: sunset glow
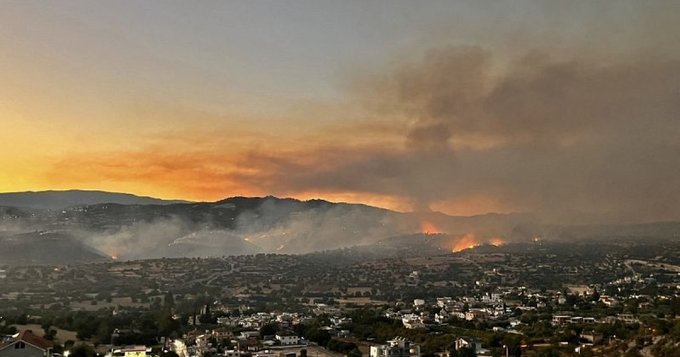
(341, 178)
(462, 112)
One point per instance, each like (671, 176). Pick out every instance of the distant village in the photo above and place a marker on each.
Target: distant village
(484, 301)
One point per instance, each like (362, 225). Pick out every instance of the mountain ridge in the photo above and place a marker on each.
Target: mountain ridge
(247, 225)
(60, 199)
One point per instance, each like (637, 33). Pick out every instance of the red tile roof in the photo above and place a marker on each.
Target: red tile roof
(27, 336)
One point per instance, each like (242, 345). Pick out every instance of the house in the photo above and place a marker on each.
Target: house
(287, 338)
(340, 321)
(247, 335)
(592, 336)
(131, 351)
(580, 290)
(476, 314)
(444, 301)
(222, 333)
(412, 321)
(228, 321)
(514, 322)
(398, 347)
(560, 319)
(608, 300)
(627, 318)
(396, 315)
(469, 343)
(492, 298)
(322, 309)
(26, 344)
(442, 316)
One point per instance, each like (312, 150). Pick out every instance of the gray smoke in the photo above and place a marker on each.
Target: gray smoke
(559, 137)
(269, 228)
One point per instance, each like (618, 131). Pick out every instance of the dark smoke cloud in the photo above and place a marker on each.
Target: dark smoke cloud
(546, 135)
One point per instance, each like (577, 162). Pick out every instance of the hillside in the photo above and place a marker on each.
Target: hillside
(45, 248)
(70, 198)
(248, 225)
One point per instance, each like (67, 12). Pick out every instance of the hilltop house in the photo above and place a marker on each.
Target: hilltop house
(26, 344)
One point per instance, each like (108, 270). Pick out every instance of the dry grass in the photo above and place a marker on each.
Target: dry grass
(62, 335)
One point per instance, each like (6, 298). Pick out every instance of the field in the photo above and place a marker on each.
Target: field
(62, 335)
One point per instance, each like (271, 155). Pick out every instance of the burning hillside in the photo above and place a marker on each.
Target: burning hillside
(428, 228)
(470, 240)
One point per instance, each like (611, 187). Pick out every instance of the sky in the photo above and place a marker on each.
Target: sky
(562, 108)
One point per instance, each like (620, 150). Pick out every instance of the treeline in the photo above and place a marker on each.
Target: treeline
(103, 326)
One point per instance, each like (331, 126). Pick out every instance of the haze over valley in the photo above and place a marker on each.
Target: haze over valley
(96, 226)
(305, 178)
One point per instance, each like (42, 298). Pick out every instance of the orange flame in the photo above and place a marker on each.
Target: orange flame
(467, 241)
(496, 241)
(429, 228)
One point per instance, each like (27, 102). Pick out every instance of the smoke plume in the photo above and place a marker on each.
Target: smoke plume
(554, 136)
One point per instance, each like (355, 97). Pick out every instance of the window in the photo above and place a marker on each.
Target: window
(19, 344)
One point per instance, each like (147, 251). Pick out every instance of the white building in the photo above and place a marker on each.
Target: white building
(398, 347)
(287, 338)
(131, 351)
(469, 343)
(232, 353)
(412, 321)
(444, 301)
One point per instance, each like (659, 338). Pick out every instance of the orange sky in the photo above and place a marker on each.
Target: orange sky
(461, 107)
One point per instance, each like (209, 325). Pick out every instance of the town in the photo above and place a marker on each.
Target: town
(538, 298)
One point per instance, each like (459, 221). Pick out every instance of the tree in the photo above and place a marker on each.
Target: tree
(169, 299)
(464, 352)
(268, 330)
(595, 296)
(49, 334)
(354, 353)
(166, 324)
(104, 332)
(83, 350)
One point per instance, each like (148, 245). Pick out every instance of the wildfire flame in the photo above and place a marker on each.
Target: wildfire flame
(429, 228)
(496, 242)
(469, 241)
